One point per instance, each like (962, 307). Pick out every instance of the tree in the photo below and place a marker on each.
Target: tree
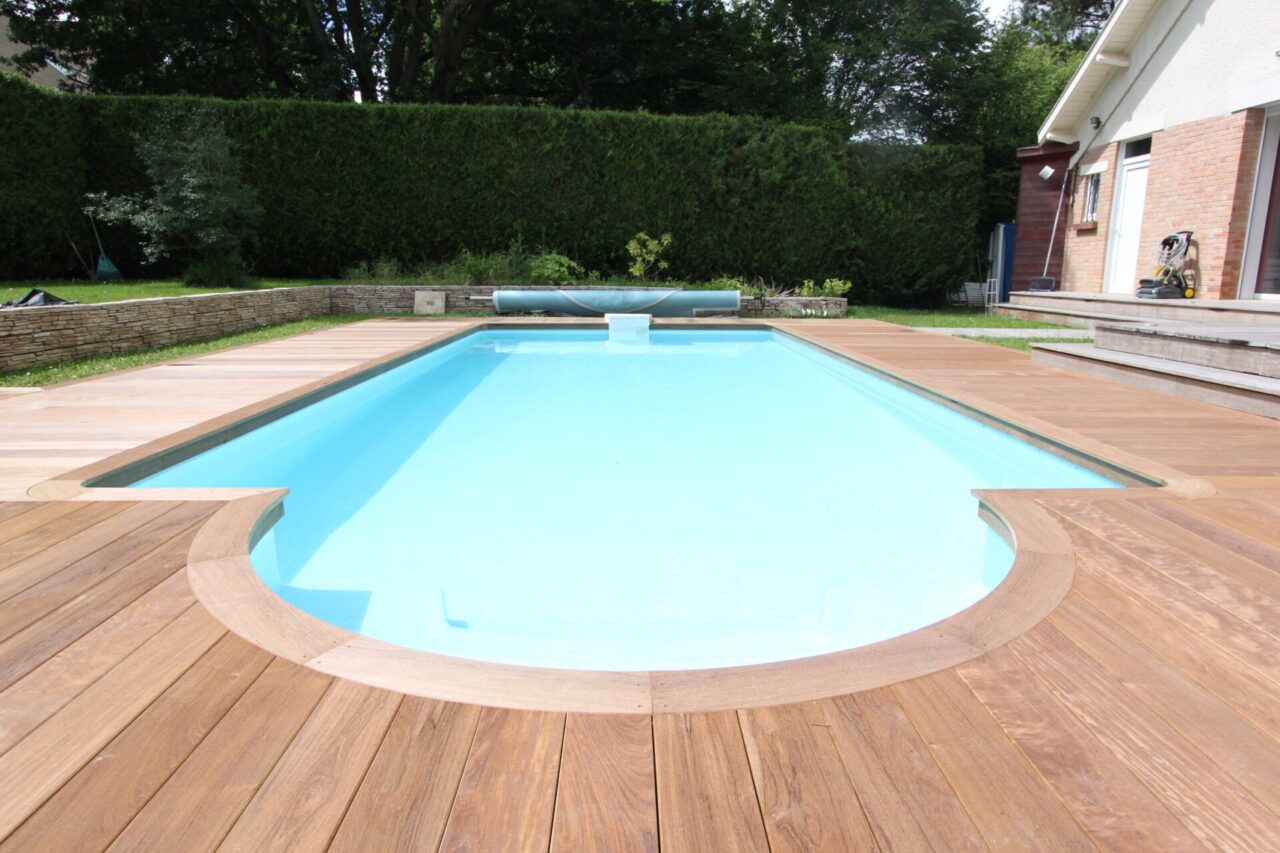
(198, 210)
(1069, 24)
(885, 67)
(313, 49)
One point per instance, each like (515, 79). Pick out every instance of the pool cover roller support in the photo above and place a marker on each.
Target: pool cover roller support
(659, 302)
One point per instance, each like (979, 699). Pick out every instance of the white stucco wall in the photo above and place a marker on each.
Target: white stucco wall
(1192, 59)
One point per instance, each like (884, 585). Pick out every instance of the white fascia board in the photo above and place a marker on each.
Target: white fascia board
(1092, 75)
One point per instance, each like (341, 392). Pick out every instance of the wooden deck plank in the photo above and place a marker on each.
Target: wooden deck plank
(91, 809)
(908, 802)
(132, 535)
(1204, 720)
(1209, 801)
(706, 797)
(45, 759)
(1239, 569)
(1011, 804)
(514, 760)
(196, 807)
(32, 520)
(1103, 794)
(37, 539)
(1204, 578)
(1191, 520)
(806, 798)
(300, 804)
(405, 798)
(607, 794)
(1247, 642)
(1196, 654)
(35, 644)
(57, 681)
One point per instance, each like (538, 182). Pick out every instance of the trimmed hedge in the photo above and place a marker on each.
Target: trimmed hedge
(42, 180)
(342, 183)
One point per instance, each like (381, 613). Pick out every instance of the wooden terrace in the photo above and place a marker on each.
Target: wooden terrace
(1139, 709)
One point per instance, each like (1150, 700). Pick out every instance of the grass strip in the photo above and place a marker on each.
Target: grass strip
(63, 371)
(1025, 343)
(950, 318)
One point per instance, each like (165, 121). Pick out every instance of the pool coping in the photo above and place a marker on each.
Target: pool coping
(225, 582)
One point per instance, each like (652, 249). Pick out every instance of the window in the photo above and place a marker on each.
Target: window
(1092, 186)
(1137, 148)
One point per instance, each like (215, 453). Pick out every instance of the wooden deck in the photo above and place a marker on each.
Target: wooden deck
(1141, 714)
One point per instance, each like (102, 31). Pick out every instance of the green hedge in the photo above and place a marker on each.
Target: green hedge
(342, 183)
(42, 180)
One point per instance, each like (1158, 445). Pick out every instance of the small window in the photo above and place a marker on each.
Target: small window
(1092, 186)
(1137, 148)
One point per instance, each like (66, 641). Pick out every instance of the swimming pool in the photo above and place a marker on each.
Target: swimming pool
(709, 498)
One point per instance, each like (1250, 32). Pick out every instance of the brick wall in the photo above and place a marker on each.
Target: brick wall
(1200, 178)
(35, 336)
(1085, 244)
(1037, 204)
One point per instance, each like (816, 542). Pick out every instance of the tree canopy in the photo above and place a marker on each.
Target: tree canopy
(896, 70)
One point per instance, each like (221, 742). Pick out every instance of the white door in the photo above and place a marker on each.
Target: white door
(1123, 247)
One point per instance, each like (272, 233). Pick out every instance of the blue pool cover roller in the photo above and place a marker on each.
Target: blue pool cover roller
(660, 302)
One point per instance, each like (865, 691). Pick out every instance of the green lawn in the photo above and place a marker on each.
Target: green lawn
(1025, 343)
(65, 370)
(969, 318)
(79, 291)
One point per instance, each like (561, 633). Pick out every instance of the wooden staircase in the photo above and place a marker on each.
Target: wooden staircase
(1232, 365)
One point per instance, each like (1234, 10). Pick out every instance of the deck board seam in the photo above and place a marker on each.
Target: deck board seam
(373, 756)
(1031, 765)
(915, 729)
(755, 783)
(177, 767)
(267, 771)
(555, 797)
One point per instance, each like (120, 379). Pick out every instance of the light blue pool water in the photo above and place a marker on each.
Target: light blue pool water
(551, 498)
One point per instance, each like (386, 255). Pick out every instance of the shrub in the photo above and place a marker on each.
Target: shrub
(646, 254)
(197, 209)
(552, 268)
(831, 287)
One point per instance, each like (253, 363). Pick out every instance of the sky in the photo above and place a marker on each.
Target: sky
(995, 9)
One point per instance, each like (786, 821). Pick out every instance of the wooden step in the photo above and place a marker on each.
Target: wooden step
(1201, 311)
(1077, 318)
(1251, 349)
(1245, 392)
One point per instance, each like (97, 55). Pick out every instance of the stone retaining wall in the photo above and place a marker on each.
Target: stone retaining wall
(30, 337)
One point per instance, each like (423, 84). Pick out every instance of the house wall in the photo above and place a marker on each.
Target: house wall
(1192, 60)
(1085, 244)
(1201, 179)
(1200, 75)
